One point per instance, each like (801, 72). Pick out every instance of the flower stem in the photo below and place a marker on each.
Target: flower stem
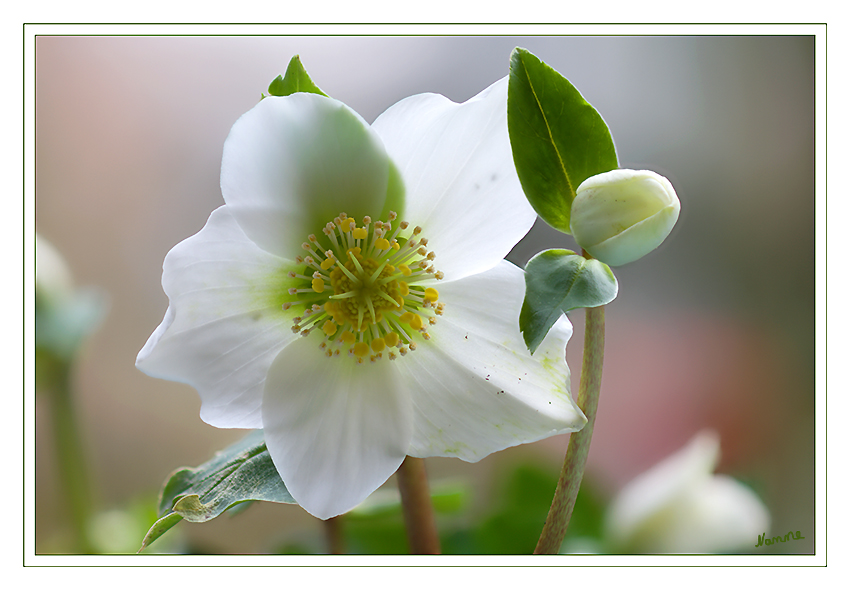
(416, 504)
(574, 461)
(70, 457)
(334, 536)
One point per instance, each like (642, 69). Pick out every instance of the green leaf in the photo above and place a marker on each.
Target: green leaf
(242, 472)
(295, 80)
(558, 139)
(525, 494)
(557, 281)
(159, 528)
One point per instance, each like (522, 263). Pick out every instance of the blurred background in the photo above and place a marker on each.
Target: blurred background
(715, 329)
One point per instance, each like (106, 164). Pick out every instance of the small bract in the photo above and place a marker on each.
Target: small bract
(622, 215)
(351, 297)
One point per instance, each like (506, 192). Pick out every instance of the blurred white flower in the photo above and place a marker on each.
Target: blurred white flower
(64, 314)
(679, 506)
(622, 215)
(308, 308)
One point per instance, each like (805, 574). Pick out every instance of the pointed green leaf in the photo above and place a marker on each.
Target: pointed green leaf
(295, 80)
(242, 472)
(557, 281)
(558, 139)
(159, 528)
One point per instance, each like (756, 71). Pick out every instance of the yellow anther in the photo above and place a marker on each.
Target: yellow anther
(391, 339)
(359, 290)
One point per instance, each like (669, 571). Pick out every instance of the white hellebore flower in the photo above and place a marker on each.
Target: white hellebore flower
(623, 215)
(308, 304)
(679, 506)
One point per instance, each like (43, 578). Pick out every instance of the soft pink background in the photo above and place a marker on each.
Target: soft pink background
(715, 329)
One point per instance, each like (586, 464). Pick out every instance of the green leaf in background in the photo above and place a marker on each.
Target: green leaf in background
(377, 525)
(557, 138)
(557, 281)
(513, 527)
(242, 472)
(294, 80)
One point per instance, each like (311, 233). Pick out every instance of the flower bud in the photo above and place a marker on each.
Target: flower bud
(64, 315)
(622, 215)
(52, 276)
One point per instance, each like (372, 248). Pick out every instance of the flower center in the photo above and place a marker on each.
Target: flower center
(364, 294)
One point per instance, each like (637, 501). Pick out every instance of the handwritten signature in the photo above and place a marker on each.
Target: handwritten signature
(791, 535)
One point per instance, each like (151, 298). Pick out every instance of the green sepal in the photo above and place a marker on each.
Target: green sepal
(294, 80)
(240, 473)
(557, 138)
(557, 281)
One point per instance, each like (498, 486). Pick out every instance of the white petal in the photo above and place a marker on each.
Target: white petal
(224, 324)
(291, 164)
(475, 387)
(720, 516)
(660, 485)
(462, 187)
(678, 506)
(335, 430)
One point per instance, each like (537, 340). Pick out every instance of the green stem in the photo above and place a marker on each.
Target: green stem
(416, 504)
(70, 457)
(574, 461)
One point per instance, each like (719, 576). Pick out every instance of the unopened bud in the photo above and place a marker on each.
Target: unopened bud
(622, 215)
